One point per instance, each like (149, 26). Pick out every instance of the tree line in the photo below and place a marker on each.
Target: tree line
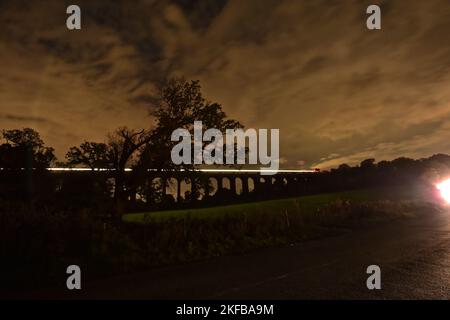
(178, 104)
(24, 158)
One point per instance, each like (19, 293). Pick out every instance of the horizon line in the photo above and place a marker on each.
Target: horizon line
(201, 170)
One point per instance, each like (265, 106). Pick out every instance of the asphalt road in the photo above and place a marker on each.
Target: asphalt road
(413, 254)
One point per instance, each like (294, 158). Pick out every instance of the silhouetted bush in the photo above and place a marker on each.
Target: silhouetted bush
(37, 245)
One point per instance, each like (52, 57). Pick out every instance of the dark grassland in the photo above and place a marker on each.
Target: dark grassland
(36, 246)
(305, 205)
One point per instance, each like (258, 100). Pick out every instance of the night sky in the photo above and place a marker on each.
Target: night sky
(337, 91)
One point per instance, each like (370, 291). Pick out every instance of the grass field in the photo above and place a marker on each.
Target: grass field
(306, 205)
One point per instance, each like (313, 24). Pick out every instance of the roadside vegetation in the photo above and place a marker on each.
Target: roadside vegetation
(240, 228)
(61, 238)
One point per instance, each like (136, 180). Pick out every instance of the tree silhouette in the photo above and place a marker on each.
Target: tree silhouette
(119, 151)
(367, 164)
(24, 149)
(179, 104)
(91, 154)
(124, 146)
(25, 158)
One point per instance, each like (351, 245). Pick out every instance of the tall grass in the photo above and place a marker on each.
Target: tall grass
(178, 239)
(36, 246)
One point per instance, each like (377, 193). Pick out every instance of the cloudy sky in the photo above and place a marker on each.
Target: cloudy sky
(337, 91)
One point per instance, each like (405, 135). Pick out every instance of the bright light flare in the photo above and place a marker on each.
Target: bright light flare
(444, 188)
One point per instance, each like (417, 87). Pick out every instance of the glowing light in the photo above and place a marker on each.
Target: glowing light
(444, 188)
(201, 170)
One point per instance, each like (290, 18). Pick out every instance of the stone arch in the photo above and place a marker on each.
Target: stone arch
(185, 187)
(201, 193)
(214, 184)
(226, 183)
(238, 182)
(172, 187)
(250, 184)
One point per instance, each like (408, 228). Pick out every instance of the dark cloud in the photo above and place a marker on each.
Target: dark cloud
(314, 65)
(12, 117)
(338, 92)
(201, 13)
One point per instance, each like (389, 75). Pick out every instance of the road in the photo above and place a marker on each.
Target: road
(413, 254)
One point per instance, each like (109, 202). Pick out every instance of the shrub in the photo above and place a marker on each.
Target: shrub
(37, 245)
